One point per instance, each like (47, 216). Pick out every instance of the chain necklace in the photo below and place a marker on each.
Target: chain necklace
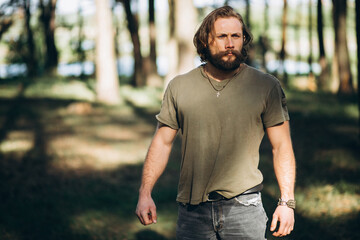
(222, 88)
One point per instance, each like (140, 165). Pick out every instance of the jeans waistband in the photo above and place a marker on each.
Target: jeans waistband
(214, 196)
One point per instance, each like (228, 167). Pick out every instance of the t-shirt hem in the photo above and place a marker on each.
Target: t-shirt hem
(166, 123)
(276, 122)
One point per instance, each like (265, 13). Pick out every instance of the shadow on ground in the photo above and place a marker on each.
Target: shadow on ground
(43, 199)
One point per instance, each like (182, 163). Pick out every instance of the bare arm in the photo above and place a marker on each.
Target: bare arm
(155, 163)
(284, 166)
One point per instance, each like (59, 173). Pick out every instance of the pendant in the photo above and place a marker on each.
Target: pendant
(218, 94)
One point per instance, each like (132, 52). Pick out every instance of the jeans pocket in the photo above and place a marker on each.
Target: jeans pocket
(253, 199)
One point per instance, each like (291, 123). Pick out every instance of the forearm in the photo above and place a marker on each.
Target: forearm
(155, 164)
(285, 170)
(156, 158)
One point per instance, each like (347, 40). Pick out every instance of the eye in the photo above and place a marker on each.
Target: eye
(222, 36)
(235, 36)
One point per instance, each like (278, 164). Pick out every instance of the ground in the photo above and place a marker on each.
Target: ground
(70, 168)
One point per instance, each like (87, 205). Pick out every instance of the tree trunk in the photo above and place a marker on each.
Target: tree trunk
(184, 31)
(79, 49)
(324, 75)
(264, 40)
(283, 44)
(152, 31)
(248, 13)
(133, 26)
(297, 28)
(172, 51)
(357, 7)
(48, 19)
(311, 77)
(341, 48)
(31, 62)
(107, 87)
(152, 77)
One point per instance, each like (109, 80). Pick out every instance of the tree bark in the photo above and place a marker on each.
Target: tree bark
(184, 32)
(357, 16)
(107, 87)
(133, 26)
(283, 44)
(152, 77)
(341, 48)
(152, 31)
(324, 75)
(172, 51)
(48, 19)
(31, 61)
(311, 76)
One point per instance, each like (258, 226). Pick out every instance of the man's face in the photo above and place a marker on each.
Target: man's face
(225, 44)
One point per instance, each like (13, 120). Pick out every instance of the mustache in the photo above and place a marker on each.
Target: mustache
(234, 52)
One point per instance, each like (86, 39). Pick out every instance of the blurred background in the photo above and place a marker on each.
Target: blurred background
(81, 82)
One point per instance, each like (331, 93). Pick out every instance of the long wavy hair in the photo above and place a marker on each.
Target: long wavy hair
(201, 37)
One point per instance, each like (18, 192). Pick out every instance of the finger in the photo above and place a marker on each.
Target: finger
(138, 214)
(153, 215)
(146, 216)
(282, 228)
(274, 222)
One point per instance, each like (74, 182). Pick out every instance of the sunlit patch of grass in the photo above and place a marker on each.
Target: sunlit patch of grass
(60, 89)
(76, 152)
(17, 141)
(9, 91)
(328, 201)
(142, 97)
(111, 225)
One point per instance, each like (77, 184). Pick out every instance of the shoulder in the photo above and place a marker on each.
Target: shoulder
(261, 78)
(189, 76)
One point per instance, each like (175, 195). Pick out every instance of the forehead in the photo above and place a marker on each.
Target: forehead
(227, 25)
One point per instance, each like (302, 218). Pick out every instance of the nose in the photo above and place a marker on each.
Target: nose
(229, 42)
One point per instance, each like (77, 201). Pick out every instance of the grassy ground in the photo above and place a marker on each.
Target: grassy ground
(70, 168)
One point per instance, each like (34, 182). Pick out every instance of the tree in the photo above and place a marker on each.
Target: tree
(152, 77)
(185, 25)
(263, 39)
(297, 28)
(357, 16)
(341, 48)
(248, 13)
(133, 26)
(311, 77)
(283, 43)
(152, 32)
(31, 62)
(324, 75)
(107, 87)
(181, 51)
(47, 18)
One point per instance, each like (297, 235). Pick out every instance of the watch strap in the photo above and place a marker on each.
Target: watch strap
(291, 203)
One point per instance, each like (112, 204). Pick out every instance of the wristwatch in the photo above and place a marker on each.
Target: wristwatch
(291, 203)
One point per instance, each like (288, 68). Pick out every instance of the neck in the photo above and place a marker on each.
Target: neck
(218, 74)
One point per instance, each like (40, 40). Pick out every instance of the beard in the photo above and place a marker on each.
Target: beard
(225, 65)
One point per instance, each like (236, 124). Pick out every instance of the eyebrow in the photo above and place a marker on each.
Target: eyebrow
(222, 33)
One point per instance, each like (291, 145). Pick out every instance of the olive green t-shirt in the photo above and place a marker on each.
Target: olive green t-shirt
(221, 135)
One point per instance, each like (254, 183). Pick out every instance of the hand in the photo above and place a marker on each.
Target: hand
(146, 210)
(285, 216)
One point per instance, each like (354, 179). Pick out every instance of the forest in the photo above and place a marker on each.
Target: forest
(82, 80)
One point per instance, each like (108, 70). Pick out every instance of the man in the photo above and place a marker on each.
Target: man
(222, 109)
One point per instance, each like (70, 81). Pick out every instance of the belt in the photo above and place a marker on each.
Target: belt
(214, 196)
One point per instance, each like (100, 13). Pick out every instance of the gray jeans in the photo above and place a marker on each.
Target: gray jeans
(238, 218)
